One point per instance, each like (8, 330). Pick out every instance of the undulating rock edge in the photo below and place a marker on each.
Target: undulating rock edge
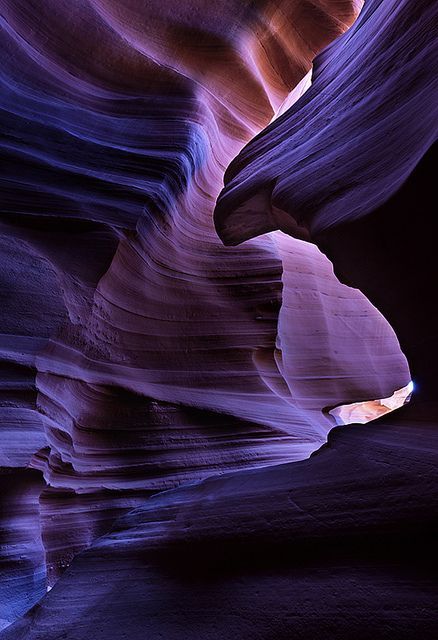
(214, 216)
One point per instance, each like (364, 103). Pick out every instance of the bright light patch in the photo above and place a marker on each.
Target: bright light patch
(362, 412)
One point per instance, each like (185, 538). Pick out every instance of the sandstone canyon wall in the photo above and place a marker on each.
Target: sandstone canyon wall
(201, 210)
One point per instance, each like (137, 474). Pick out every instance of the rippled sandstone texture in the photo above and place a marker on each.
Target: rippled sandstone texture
(139, 353)
(352, 140)
(338, 546)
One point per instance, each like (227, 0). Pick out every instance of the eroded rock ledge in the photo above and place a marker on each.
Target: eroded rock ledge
(139, 353)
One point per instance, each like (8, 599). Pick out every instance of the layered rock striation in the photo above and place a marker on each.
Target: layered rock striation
(138, 352)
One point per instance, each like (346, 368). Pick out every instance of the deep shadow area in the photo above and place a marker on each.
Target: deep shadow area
(410, 552)
(390, 255)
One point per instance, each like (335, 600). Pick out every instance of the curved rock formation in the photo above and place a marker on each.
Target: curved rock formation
(138, 352)
(352, 140)
(339, 545)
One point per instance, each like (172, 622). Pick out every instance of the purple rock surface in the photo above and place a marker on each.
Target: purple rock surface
(215, 247)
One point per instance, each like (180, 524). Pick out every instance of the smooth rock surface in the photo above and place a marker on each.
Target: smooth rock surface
(338, 546)
(139, 354)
